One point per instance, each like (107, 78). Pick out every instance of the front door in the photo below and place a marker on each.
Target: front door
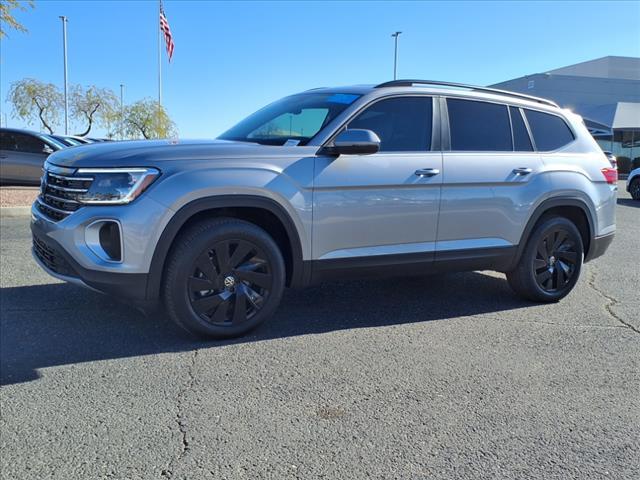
(385, 204)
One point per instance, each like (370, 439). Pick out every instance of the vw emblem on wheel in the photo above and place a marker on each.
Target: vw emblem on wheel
(229, 282)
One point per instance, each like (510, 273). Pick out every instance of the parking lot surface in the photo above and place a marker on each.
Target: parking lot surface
(445, 377)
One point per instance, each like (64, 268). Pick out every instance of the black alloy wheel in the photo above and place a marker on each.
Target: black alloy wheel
(223, 277)
(555, 261)
(230, 282)
(551, 261)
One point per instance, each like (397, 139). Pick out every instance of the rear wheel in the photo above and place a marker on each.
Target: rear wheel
(223, 278)
(634, 188)
(551, 262)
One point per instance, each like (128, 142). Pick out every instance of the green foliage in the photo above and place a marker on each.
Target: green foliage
(43, 103)
(94, 106)
(148, 119)
(7, 18)
(33, 100)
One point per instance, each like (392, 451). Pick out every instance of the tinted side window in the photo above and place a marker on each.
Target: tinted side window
(521, 140)
(403, 124)
(28, 144)
(6, 141)
(479, 126)
(550, 132)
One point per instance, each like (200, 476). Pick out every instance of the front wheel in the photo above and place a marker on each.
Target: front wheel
(223, 278)
(550, 265)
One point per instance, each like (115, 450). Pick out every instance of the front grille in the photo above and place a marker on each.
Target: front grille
(51, 258)
(60, 190)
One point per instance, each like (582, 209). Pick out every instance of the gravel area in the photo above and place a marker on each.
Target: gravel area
(17, 196)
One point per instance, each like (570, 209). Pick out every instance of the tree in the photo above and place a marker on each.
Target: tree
(94, 105)
(33, 100)
(148, 119)
(7, 18)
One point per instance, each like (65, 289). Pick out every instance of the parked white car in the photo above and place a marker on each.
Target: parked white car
(633, 184)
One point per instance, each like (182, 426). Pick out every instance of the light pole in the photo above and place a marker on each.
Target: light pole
(64, 49)
(395, 35)
(121, 111)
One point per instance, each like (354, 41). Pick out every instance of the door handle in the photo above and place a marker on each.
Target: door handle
(427, 172)
(522, 171)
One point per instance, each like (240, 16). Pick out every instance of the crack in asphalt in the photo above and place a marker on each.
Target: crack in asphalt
(180, 417)
(574, 325)
(612, 301)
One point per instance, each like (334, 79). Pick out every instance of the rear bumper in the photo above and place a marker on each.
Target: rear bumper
(59, 264)
(599, 246)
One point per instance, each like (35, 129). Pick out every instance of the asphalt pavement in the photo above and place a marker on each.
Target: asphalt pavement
(441, 377)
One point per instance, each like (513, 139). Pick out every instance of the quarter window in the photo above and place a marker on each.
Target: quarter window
(479, 126)
(403, 123)
(521, 140)
(550, 132)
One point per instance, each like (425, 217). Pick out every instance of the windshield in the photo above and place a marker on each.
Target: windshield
(292, 120)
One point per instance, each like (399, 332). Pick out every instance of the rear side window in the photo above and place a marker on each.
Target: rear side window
(403, 123)
(479, 126)
(521, 140)
(28, 143)
(6, 141)
(550, 132)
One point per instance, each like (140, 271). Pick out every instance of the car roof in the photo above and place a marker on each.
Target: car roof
(22, 130)
(441, 88)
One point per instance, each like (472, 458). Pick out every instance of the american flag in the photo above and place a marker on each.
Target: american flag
(168, 38)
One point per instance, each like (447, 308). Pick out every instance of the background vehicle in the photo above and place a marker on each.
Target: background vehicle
(406, 177)
(612, 159)
(22, 154)
(70, 141)
(633, 184)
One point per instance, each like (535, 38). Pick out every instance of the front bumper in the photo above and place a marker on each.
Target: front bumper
(61, 247)
(59, 264)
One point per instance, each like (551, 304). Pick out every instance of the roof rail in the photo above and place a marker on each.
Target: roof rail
(409, 83)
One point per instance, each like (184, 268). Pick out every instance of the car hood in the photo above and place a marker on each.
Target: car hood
(149, 153)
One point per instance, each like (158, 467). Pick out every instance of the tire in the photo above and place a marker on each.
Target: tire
(223, 278)
(550, 265)
(634, 188)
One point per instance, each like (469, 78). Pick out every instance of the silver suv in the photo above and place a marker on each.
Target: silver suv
(406, 177)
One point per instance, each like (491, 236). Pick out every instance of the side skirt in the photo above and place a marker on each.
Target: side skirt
(413, 264)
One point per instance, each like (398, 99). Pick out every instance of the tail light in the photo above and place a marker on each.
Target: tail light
(610, 175)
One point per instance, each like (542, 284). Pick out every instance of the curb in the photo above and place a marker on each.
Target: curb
(12, 212)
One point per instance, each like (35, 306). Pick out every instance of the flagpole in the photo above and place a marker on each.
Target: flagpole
(159, 55)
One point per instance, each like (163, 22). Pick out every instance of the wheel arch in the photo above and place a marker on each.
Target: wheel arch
(573, 208)
(263, 211)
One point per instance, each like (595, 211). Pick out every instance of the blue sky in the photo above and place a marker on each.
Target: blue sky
(231, 58)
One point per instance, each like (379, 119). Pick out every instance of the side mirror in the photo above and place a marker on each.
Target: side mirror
(354, 142)
(47, 149)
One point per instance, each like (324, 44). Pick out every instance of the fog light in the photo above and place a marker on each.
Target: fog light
(110, 240)
(104, 238)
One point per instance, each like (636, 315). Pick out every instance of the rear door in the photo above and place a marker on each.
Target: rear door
(379, 205)
(491, 178)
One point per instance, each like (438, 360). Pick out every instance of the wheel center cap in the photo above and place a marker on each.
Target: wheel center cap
(229, 282)
(552, 260)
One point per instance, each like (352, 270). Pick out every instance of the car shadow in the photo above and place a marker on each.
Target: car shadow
(629, 202)
(56, 324)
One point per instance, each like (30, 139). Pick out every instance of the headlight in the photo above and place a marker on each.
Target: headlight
(115, 186)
